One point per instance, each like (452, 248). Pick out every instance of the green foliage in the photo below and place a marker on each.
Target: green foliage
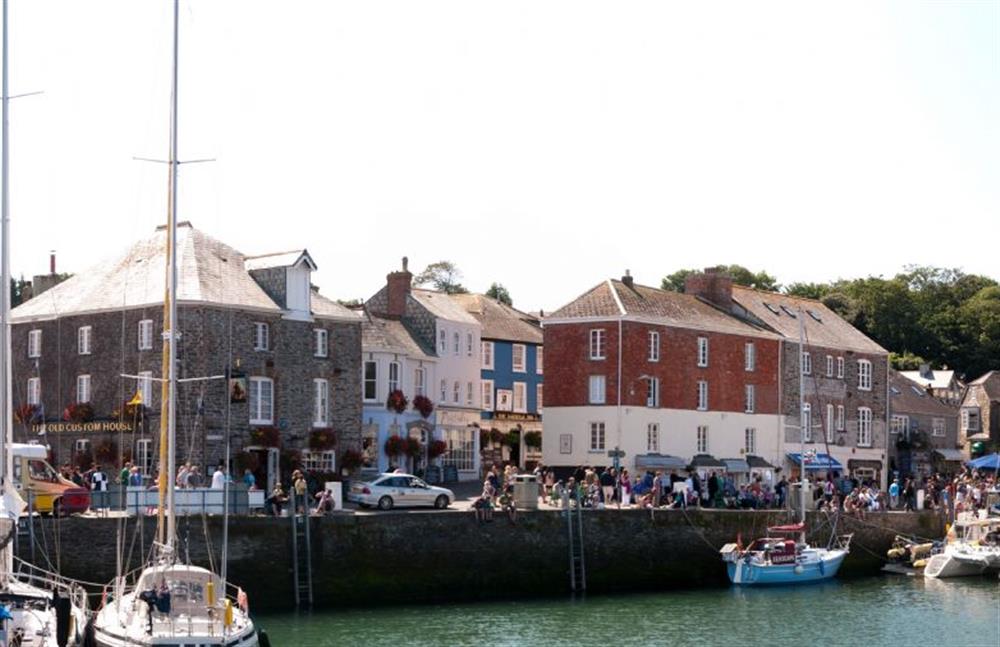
(499, 292)
(442, 276)
(741, 276)
(17, 291)
(808, 290)
(906, 361)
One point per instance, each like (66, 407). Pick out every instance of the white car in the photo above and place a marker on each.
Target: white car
(391, 490)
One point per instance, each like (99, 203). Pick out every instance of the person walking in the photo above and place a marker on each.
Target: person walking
(607, 479)
(894, 494)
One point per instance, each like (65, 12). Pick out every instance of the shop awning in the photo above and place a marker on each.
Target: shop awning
(659, 462)
(758, 463)
(707, 461)
(817, 462)
(736, 465)
(950, 454)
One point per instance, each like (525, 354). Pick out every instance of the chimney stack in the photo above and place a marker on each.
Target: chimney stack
(627, 279)
(712, 286)
(398, 289)
(52, 262)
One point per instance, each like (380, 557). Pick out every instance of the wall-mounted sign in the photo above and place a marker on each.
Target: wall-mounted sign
(503, 415)
(97, 426)
(505, 400)
(237, 389)
(565, 443)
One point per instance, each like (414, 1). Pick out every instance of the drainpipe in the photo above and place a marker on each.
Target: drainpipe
(618, 444)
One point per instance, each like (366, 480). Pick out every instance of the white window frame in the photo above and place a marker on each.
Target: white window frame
(653, 437)
(841, 422)
(829, 365)
(702, 439)
(261, 336)
(321, 339)
(35, 343)
(539, 391)
(469, 343)
(144, 385)
(522, 366)
(321, 402)
(145, 334)
(456, 343)
(456, 392)
(749, 357)
(938, 427)
(899, 424)
(864, 427)
(84, 339)
(652, 392)
(487, 350)
(864, 375)
(322, 462)
(597, 344)
(750, 398)
(444, 391)
(393, 377)
(538, 360)
(469, 394)
(840, 368)
(261, 408)
(419, 381)
(487, 389)
(442, 341)
(83, 390)
(807, 363)
(81, 446)
(702, 395)
(367, 380)
(750, 440)
(806, 421)
(830, 421)
(597, 437)
(522, 406)
(144, 455)
(654, 346)
(34, 391)
(597, 389)
(703, 352)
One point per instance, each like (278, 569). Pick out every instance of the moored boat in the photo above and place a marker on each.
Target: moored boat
(972, 548)
(780, 559)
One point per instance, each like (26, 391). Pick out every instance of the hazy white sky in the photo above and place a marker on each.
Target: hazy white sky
(545, 145)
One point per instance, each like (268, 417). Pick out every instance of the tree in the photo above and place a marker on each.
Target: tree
(906, 361)
(675, 282)
(808, 290)
(17, 291)
(351, 303)
(740, 275)
(443, 276)
(499, 292)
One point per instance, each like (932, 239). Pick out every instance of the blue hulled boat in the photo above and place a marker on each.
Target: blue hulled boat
(783, 560)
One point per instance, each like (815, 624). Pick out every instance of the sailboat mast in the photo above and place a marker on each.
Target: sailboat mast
(802, 422)
(6, 409)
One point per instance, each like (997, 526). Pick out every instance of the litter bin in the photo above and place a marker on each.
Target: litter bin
(526, 492)
(793, 496)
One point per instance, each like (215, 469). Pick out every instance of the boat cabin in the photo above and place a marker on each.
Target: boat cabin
(776, 550)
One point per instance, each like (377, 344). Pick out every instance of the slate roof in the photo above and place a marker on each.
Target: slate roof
(613, 298)
(499, 320)
(383, 334)
(912, 398)
(441, 305)
(823, 327)
(990, 383)
(938, 379)
(209, 272)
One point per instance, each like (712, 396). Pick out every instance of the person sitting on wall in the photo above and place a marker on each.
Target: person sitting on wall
(324, 502)
(277, 499)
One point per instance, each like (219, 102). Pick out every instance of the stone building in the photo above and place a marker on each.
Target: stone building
(923, 430)
(979, 430)
(942, 384)
(267, 360)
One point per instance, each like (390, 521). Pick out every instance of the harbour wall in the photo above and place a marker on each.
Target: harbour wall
(375, 559)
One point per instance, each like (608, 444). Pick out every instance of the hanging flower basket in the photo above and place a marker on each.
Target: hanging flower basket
(394, 446)
(533, 438)
(496, 436)
(106, 452)
(423, 405)
(27, 414)
(321, 440)
(397, 401)
(78, 412)
(265, 437)
(511, 438)
(412, 447)
(436, 448)
(351, 460)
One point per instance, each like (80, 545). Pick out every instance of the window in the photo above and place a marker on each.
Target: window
(597, 436)
(703, 440)
(538, 398)
(487, 351)
(750, 356)
(597, 344)
(369, 447)
(864, 427)
(34, 391)
(456, 343)
(144, 455)
(321, 403)
(864, 375)
(702, 395)
(900, 425)
(442, 341)
(840, 418)
(419, 381)
(654, 346)
(750, 440)
(468, 344)
(517, 352)
(444, 390)
(393, 376)
(937, 427)
(829, 423)
(34, 343)
(146, 334)
(261, 400)
(81, 446)
(840, 367)
(261, 336)
(538, 360)
(970, 419)
(461, 448)
(145, 388)
(83, 334)
(806, 422)
(469, 396)
(789, 312)
(321, 462)
(456, 392)
(597, 389)
(703, 351)
(83, 388)
(321, 337)
(653, 437)
(750, 397)
(652, 392)
(829, 365)
(807, 364)
(487, 386)
(371, 381)
(520, 397)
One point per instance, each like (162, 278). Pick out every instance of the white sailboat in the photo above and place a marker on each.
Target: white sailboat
(172, 604)
(972, 548)
(36, 608)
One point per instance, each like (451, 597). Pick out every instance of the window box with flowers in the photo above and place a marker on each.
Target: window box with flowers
(265, 437)
(436, 448)
(394, 446)
(412, 447)
(396, 401)
(27, 414)
(321, 440)
(78, 412)
(350, 460)
(423, 405)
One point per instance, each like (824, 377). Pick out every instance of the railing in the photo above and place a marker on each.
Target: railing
(139, 500)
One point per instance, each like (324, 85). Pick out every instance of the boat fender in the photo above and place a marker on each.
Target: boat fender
(64, 618)
(920, 563)
(263, 639)
(210, 593)
(228, 616)
(799, 569)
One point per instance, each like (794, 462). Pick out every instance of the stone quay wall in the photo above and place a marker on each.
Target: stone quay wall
(438, 557)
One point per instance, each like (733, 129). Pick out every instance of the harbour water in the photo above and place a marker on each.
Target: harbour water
(868, 611)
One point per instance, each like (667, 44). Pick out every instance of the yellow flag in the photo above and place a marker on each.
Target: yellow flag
(136, 399)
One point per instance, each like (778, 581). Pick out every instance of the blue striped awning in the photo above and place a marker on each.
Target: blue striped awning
(818, 462)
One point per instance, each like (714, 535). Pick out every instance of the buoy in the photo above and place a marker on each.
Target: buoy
(210, 593)
(798, 569)
(920, 563)
(228, 616)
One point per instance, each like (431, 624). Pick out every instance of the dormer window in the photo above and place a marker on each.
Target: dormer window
(286, 278)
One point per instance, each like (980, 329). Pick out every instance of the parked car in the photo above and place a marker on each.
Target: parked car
(402, 490)
(50, 493)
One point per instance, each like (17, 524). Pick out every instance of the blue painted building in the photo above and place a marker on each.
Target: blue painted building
(512, 361)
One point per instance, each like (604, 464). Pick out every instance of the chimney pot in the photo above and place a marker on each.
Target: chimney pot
(52, 262)
(627, 279)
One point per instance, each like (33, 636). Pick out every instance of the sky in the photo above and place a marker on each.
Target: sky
(546, 145)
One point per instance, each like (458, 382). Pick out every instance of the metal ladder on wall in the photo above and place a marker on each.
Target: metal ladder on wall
(574, 527)
(301, 553)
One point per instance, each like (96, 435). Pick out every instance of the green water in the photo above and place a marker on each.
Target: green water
(890, 610)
